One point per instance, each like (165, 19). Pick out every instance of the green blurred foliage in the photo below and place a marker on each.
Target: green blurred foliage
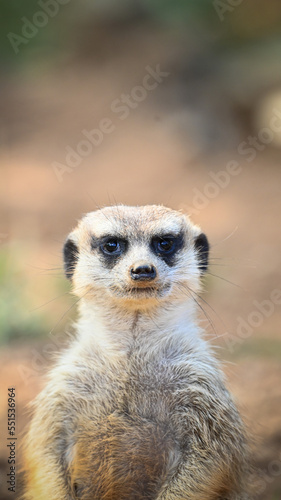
(21, 314)
(11, 21)
(179, 11)
(70, 19)
(260, 347)
(250, 20)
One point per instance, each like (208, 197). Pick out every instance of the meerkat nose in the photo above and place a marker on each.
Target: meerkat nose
(143, 272)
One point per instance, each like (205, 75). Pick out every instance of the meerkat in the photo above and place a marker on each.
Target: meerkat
(136, 408)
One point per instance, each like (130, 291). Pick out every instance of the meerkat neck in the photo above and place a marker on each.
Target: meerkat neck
(115, 328)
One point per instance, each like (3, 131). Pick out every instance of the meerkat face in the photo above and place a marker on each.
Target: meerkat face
(135, 254)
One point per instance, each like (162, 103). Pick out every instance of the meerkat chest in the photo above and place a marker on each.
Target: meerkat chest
(142, 387)
(147, 384)
(130, 441)
(151, 387)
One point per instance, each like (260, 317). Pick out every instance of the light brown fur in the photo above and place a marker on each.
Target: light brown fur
(136, 409)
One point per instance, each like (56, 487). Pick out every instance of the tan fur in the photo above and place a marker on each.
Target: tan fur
(136, 408)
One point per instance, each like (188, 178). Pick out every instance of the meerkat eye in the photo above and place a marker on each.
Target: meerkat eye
(164, 245)
(111, 246)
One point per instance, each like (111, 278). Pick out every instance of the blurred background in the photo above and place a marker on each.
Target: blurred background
(138, 102)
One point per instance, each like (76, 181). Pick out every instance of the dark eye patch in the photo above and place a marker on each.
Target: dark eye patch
(110, 247)
(166, 247)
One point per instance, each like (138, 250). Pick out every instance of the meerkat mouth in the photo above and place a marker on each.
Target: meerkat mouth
(141, 291)
(147, 291)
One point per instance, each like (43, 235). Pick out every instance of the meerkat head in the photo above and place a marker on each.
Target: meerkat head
(136, 254)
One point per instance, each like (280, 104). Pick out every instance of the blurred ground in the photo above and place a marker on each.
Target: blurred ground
(174, 147)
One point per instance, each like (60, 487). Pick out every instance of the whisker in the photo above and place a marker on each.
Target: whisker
(227, 281)
(53, 275)
(66, 312)
(227, 238)
(212, 309)
(220, 265)
(49, 301)
(209, 305)
(98, 207)
(207, 316)
(244, 262)
(45, 268)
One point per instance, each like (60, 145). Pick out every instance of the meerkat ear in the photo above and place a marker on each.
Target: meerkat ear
(70, 256)
(202, 247)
